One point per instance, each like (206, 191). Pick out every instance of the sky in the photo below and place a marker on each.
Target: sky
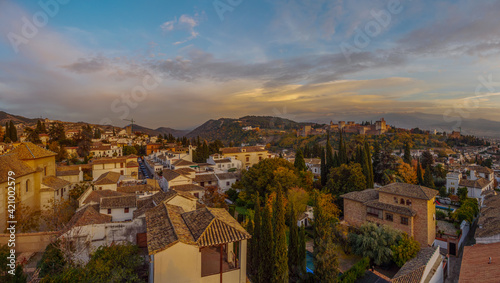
(179, 63)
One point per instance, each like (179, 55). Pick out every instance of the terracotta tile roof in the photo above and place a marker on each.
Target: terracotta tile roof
(187, 188)
(137, 188)
(168, 224)
(362, 196)
(108, 178)
(409, 190)
(119, 201)
(160, 229)
(479, 183)
(169, 175)
(185, 171)
(475, 267)
(413, 270)
(205, 178)
(87, 216)
(214, 226)
(182, 162)
(10, 162)
(489, 216)
(54, 182)
(106, 160)
(95, 196)
(229, 150)
(27, 150)
(481, 169)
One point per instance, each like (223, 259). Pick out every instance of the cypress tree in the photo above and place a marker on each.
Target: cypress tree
(293, 245)
(377, 159)
(329, 154)
(342, 150)
(407, 155)
(325, 259)
(428, 179)
(280, 274)
(420, 179)
(302, 250)
(266, 246)
(324, 170)
(368, 156)
(300, 163)
(256, 238)
(13, 132)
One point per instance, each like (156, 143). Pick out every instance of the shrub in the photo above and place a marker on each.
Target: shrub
(440, 215)
(406, 249)
(356, 271)
(374, 242)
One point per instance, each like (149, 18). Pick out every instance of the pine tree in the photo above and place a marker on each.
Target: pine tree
(407, 155)
(420, 179)
(280, 274)
(266, 246)
(256, 238)
(300, 163)
(428, 179)
(293, 245)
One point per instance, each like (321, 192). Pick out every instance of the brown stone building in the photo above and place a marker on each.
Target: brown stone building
(406, 207)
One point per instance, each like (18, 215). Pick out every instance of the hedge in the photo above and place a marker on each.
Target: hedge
(356, 271)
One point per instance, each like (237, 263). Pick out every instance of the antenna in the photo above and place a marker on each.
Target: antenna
(132, 124)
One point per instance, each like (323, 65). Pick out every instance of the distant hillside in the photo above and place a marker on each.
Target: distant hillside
(476, 127)
(6, 117)
(161, 130)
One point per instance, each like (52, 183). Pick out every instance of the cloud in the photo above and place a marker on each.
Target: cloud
(186, 23)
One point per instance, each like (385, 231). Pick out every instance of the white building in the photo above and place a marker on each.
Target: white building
(120, 208)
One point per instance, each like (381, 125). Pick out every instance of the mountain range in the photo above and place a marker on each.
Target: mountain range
(230, 128)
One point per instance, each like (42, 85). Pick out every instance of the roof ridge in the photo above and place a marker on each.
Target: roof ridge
(170, 221)
(209, 224)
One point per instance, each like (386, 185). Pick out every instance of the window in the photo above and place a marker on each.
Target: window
(374, 212)
(210, 182)
(202, 184)
(260, 158)
(109, 210)
(404, 220)
(396, 200)
(408, 202)
(389, 217)
(125, 210)
(402, 201)
(121, 172)
(197, 195)
(57, 192)
(27, 185)
(248, 159)
(228, 183)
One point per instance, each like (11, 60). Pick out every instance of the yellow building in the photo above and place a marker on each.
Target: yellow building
(35, 178)
(248, 155)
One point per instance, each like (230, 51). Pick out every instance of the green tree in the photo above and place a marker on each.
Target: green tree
(280, 273)
(302, 250)
(370, 181)
(52, 261)
(13, 132)
(329, 154)
(406, 249)
(266, 245)
(300, 163)
(420, 178)
(293, 245)
(255, 241)
(325, 258)
(407, 156)
(374, 242)
(428, 179)
(427, 159)
(4, 268)
(462, 193)
(324, 170)
(346, 178)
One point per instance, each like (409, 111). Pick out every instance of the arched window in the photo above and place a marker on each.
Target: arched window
(27, 185)
(408, 202)
(395, 200)
(402, 201)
